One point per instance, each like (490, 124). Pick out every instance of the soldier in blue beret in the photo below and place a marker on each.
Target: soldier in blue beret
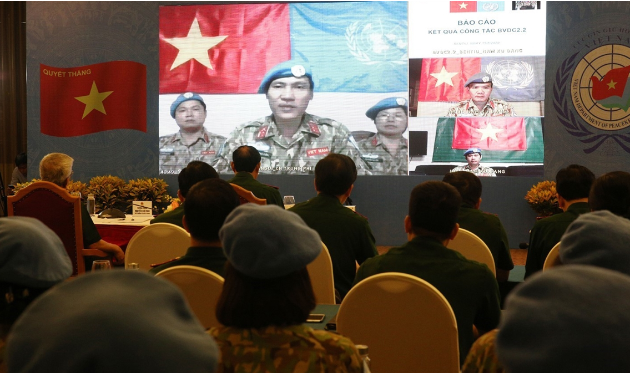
(386, 151)
(193, 142)
(473, 157)
(480, 104)
(290, 140)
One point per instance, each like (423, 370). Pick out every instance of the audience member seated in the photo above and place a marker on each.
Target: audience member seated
(32, 260)
(246, 164)
(111, 321)
(573, 318)
(611, 192)
(486, 226)
(193, 173)
(573, 184)
(57, 168)
(208, 203)
(346, 234)
(19, 172)
(267, 296)
(470, 287)
(482, 357)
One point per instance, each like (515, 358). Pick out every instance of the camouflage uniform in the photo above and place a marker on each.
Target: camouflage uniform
(294, 348)
(316, 138)
(479, 171)
(175, 155)
(380, 160)
(482, 356)
(494, 108)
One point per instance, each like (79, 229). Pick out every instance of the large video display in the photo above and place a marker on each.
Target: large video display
(297, 81)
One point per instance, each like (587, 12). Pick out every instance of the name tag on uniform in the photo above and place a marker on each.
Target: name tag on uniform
(317, 151)
(208, 152)
(167, 151)
(371, 158)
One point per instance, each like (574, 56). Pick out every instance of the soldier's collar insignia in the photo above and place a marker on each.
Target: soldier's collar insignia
(314, 128)
(262, 133)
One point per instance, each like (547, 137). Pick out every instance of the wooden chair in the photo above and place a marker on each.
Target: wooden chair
(247, 196)
(201, 288)
(156, 243)
(553, 258)
(473, 248)
(61, 212)
(407, 324)
(321, 272)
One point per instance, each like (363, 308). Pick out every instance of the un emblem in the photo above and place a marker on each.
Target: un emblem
(376, 41)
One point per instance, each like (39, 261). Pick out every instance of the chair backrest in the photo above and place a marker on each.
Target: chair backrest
(473, 248)
(321, 272)
(406, 323)
(553, 258)
(56, 208)
(247, 196)
(201, 288)
(156, 243)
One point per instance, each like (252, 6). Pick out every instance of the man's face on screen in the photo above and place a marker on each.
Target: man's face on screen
(480, 92)
(473, 159)
(190, 116)
(391, 122)
(289, 97)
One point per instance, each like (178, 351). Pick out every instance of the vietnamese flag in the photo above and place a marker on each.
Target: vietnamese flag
(490, 133)
(444, 79)
(221, 48)
(612, 84)
(81, 100)
(463, 6)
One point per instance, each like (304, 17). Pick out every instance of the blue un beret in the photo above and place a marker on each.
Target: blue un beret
(388, 103)
(479, 78)
(472, 150)
(286, 69)
(183, 98)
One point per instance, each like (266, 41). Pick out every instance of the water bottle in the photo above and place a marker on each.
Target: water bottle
(363, 351)
(91, 202)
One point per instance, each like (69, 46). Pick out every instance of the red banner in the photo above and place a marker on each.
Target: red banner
(443, 79)
(490, 133)
(221, 48)
(81, 100)
(462, 6)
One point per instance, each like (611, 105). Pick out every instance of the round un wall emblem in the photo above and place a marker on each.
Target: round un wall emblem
(600, 87)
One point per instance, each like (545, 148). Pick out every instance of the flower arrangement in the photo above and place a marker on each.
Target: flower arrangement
(148, 189)
(542, 198)
(109, 191)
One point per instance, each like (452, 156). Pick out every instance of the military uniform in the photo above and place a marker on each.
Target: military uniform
(260, 190)
(346, 234)
(90, 233)
(172, 217)
(547, 232)
(208, 257)
(175, 155)
(479, 171)
(294, 348)
(494, 108)
(468, 286)
(488, 227)
(380, 161)
(483, 355)
(316, 138)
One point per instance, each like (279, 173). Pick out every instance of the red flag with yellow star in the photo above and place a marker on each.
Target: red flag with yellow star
(443, 79)
(81, 100)
(490, 133)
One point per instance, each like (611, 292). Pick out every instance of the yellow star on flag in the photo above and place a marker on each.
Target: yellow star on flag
(444, 77)
(463, 6)
(94, 101)
(612, 84)
(194, 46)
(488, 132)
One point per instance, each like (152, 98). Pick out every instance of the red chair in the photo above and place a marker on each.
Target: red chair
(61, 212)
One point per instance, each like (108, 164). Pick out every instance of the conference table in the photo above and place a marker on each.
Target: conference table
(120, 231)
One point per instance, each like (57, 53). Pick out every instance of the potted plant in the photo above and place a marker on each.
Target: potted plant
(149, 189)
(109, 192)
(543, 198)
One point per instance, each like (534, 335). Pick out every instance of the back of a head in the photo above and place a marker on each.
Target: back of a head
(111, 321)
(611, 192)
(335, 174)
(56, 168)
(467, 184)
(574, 182)
(266, 282)
(194, 172)
(573, 318)
(433, 208)
(207, 205)
(20, 159)
(245, 158)
(599, 238)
